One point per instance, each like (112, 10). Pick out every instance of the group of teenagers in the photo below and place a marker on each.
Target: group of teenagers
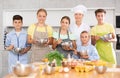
(78, 33)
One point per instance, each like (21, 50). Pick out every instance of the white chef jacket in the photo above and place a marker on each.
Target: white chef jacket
(77, 30)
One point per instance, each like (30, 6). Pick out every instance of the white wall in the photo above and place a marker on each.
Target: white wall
(117, 2)
(1, 26)
(54, 16)
(35, 4)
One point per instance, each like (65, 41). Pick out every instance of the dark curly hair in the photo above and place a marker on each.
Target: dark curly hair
(17, 17)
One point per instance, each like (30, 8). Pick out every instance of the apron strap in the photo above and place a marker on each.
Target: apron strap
(34, 35)
(36, 28)
(46, 30)
(34, 31)
(67, 33)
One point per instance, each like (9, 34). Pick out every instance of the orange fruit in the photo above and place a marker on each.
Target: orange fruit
(45, 60)
(77, 68)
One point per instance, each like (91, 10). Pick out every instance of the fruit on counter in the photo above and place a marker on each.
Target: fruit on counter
(64, 59)
(95, 63)
(77, 68)
(83, 68)
(45, 59)
(61, 70)
(38, 66)
(89, 63)
(100, 63)
(73, 63)
(88, 68)
(42, 66)
(58, 68)
(64, 63)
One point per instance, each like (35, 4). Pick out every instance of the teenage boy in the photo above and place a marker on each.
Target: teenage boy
(17, 38)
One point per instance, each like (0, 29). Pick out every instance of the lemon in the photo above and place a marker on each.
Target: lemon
(77, 68)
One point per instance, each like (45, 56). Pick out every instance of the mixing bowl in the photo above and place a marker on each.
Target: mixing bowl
(49, 69)
(22, 70)
(100, 69)
(42, 41)
(18, 50)
(83, 53)
(106, 36)
(68, 44)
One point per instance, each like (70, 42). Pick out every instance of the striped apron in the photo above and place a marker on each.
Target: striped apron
(38, 52)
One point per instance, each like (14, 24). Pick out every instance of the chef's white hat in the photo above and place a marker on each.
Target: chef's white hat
(79, 9)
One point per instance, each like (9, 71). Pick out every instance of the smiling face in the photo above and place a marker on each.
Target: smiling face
(41, 15)
(17, 24)
(84, 38)
(78, 17)
(100, 16)
(65, 22)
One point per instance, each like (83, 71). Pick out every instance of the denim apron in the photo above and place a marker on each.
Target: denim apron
(38, 52)
(60, 49)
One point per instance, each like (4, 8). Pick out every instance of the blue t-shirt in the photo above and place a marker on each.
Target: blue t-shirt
(91, 50)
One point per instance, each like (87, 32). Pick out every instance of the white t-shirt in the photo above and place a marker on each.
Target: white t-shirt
(77, 30)
(17, 33)
(56, 36)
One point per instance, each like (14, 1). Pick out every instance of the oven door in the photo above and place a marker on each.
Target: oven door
(118, 41)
